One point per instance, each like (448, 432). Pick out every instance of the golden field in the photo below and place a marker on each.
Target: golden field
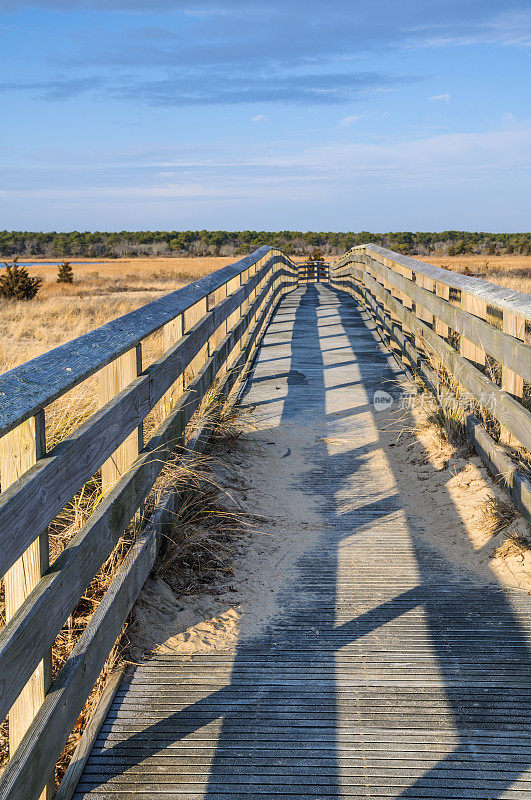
(513, 271)
(100, 292)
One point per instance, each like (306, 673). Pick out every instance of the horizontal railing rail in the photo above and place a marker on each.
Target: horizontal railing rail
(476, 331)
(500, 296)
(36, 383)
(313, 271)
(210, 332)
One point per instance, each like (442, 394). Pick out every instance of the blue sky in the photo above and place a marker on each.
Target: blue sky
(347, 115)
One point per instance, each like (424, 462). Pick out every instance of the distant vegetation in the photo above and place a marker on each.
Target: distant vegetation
(229, 243)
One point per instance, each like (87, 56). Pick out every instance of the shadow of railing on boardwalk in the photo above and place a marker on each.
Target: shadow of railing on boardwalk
(280, 736)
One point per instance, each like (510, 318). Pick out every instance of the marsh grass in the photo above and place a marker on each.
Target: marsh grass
(448, 412)
(198, 549)
(61, 312)
(497, 515)
(454, 402)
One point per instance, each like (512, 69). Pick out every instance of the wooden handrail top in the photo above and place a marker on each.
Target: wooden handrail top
(499, 296)
(35, 384)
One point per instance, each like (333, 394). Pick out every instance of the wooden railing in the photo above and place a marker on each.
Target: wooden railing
(211, 329)
(476, 332)
(311, 271)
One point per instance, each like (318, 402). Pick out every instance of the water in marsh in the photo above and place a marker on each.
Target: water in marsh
(50, 263)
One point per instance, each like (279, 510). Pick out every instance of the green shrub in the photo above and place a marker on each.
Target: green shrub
(17, 284)
(65, 274)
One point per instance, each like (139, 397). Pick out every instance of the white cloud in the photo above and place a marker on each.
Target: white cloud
(445, 97)
(347, 121)
(259, 118)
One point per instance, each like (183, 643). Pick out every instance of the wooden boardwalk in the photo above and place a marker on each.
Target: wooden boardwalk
(386, 675)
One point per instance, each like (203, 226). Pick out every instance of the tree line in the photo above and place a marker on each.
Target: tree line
(99, 244)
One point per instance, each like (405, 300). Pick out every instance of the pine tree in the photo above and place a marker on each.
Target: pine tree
(65, 274)
(17, 284)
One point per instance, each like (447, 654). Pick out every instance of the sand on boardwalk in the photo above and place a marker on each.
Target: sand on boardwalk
(445, 494)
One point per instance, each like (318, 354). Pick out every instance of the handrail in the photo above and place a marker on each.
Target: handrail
(35, 384)
(211, 331)
(500, 296)
(478, 332)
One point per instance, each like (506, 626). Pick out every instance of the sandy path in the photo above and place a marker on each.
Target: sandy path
(444, 494)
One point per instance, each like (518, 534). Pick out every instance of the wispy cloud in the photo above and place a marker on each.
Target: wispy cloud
(442, 97)
(442, 160)
(219, 88)
(259, 118)
(346, 122)
(55, 89)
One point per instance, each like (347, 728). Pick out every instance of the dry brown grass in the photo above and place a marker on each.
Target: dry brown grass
(497, 515)
(511, 271)
(100, 293)
(133, 270)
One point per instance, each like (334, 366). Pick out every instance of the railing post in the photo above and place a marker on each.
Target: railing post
(407, 302)
(442, 290)
(19, 450)
(113, 378)
(421, 312)
(478, 307)
(212, 300)
(171, 333)
(190, 317)
(512, 382)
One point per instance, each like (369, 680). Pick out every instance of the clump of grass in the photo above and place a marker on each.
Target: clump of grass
(513, 545)
(497, 515)
(448, 417)
(198, 549)
(70, 411)
(449, 413)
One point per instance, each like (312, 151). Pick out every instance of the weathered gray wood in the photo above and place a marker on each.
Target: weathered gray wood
(35, 384)
(500, 465)
(24, 633)
(38, 749)
(18, 451)
(24, 774)
(113, 379)
(38, 620)
(505, 348)
(33, 501)
(385, 670)
(73, 772)
(33, 628)
(407, 348)
(499, 296)
(504, 408)
(493, 456)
